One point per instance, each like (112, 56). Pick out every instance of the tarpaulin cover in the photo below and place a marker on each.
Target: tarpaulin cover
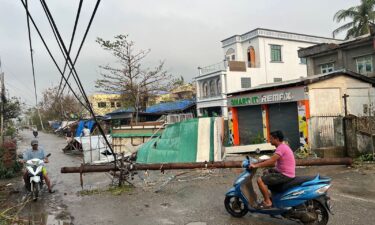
(89, 123)
(170, 106)
(179, 143)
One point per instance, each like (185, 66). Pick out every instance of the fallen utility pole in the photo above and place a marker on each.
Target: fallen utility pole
(202, 165)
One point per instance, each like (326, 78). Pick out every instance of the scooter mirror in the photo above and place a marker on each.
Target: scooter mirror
(49, 154)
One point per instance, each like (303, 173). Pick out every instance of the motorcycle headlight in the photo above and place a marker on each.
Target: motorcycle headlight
(323, 189)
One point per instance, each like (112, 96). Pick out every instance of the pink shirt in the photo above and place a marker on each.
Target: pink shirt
(286, 164)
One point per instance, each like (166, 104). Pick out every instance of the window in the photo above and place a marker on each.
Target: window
(364, 64)
(112, 104)
(326, 68)
(302, 60)
(218, 83)
(277, 79)
(230, 54)
(251, 57)
(205, 89)
(276, 53)
(245, 82)
(102, 104)
(118, 104)
(212, 88)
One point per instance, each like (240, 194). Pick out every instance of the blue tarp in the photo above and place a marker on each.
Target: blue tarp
(55, 125)
(89, 123)
(170, 106)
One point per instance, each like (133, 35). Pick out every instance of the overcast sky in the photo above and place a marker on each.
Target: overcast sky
(184, 33)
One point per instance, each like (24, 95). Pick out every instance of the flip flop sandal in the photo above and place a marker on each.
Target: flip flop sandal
(263, 206)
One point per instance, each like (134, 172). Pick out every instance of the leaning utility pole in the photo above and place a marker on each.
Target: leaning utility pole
(2, 98)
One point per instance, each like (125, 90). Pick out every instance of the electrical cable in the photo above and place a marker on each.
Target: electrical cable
(71, 43)
(49, 52)
(83, 40)
(79, 83)
(32, 57)
(56, 38)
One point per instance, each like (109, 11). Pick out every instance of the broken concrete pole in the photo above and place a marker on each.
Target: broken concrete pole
(196, 165)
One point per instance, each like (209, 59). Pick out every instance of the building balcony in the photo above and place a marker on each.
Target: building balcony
(211, 97)
(228, 66)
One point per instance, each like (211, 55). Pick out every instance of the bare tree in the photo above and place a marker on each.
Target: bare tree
(134, 82)
(66, 106)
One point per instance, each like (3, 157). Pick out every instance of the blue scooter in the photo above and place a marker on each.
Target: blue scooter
(303, 199)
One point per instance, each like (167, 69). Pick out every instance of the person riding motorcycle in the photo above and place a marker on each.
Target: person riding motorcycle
(36, 152)
(35, 132)
(284, 171)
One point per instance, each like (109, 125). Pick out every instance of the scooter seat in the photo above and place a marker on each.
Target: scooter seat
(293, 183)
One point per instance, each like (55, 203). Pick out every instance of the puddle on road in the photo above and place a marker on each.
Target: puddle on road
(47, 219)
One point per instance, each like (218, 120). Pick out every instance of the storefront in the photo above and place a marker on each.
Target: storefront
(255, 113)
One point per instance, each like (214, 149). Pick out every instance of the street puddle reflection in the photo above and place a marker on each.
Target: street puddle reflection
(46, 219)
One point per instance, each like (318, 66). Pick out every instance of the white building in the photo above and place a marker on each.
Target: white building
(256, 57)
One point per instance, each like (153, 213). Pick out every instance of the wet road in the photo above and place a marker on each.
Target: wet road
(195, 198)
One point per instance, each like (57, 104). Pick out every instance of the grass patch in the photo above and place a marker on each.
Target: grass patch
(113, 190)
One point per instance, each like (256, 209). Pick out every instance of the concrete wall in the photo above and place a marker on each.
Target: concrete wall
(342, 58)
(326, 96)
(266, 71)
(318, 61)
(107, 98)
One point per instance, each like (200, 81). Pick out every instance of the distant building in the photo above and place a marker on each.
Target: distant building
(103, 103)
(356, 55)
(185, 91)
(257, 57)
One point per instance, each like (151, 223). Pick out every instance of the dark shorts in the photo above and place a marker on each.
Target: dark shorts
(272, 177)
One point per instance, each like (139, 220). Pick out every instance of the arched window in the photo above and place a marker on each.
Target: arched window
(218, 84)
(230, 55)
(212, 88)
(205, 89)
(251, 57)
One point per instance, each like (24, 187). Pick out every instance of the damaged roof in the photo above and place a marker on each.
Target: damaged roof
(305, 81)
(171, 106)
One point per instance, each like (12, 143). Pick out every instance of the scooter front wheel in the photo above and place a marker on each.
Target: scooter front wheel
(35, 191)
(235, 206)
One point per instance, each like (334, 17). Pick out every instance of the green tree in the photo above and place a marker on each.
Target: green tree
(136, 83)
(361, 16)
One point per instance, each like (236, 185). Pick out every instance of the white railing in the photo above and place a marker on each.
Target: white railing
(176, 118)
(212, 68)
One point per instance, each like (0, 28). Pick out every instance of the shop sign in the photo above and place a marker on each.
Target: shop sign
(273, 97)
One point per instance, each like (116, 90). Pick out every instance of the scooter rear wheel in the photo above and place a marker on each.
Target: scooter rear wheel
(235, 206)
(321, 213)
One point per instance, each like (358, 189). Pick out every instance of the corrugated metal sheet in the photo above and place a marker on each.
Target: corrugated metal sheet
(170, 106)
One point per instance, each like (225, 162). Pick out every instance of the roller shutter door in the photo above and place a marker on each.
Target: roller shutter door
(250, 124)
(284, 117)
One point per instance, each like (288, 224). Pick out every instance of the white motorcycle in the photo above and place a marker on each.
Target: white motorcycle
(34, 181)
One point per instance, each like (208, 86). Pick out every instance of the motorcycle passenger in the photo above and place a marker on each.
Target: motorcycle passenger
(284, 170)
(36, 152)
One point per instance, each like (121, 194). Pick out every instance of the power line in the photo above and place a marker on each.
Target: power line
(49, 52)
(56, 38)
(32, 57)
(79, 83)
(71, 42)
(83, 40)
(32, 67)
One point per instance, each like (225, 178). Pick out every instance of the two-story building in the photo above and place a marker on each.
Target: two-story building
(257, 57)
(103, 103)
(356, 55)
